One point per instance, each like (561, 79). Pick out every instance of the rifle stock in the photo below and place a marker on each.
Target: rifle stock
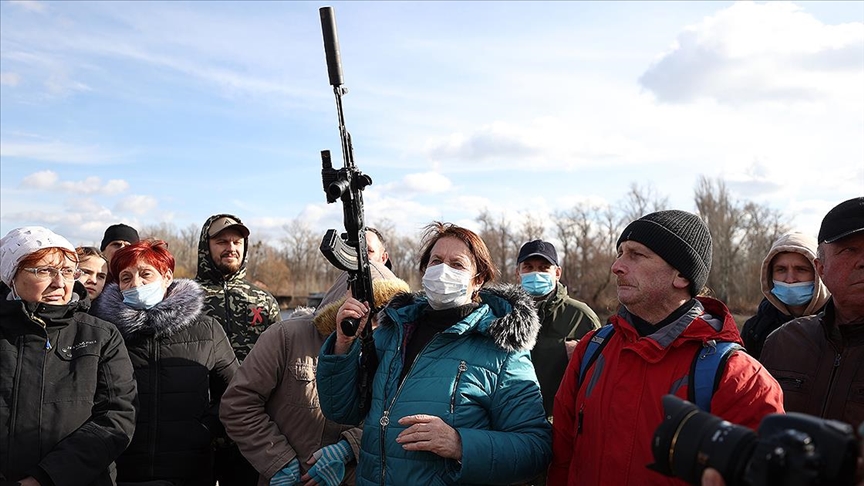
(348, 251)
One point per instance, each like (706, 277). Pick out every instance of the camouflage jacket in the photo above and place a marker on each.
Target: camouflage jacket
(243, 309)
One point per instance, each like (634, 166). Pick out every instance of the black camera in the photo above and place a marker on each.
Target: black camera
(790, 449)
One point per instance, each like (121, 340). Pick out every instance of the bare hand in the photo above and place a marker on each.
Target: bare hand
(430, 433)
(29, 481)
(711, 477)
(350, 309)
(570, 345)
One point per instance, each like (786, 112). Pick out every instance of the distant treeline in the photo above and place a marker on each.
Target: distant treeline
(584, 235)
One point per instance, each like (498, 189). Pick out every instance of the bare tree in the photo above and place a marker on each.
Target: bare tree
(640, 201)
(502, 243)
(183, 245)
(725, 220)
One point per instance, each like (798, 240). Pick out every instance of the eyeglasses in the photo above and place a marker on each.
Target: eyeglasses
(50, 273)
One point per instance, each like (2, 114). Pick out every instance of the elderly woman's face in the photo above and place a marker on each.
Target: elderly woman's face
(140, 274)
(455, 253)
(43, 283)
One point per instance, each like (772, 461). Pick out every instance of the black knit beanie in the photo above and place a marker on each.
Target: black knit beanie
(680, 238)
(119, 232)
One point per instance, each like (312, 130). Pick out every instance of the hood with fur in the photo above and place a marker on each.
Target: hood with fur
(182, 305)
(385, 285)
(514, 326)
(795, 243)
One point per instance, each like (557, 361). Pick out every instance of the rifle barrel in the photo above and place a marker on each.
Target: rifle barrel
(331, 46)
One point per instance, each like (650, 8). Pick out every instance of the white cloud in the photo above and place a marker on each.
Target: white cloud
(31, 5)
(48, 180)
(136, 204)
(10, 79)
(426, 183)
(93, 185)
(761, 52)
(44, 179)
(59, 152)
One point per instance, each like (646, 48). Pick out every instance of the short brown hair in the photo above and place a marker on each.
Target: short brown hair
(486, 270)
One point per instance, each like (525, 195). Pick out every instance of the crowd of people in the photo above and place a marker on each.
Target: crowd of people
(114, 372)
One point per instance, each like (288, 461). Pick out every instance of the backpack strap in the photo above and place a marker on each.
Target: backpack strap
(595, 346)
(706, 371)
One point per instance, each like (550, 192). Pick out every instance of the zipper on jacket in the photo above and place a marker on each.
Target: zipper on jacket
(579, 419)
(837, 355)
(463, 366)
(228, 325)
(154, 403)
(384, 422)
(16, 390)
(792, 382)
(385, 418)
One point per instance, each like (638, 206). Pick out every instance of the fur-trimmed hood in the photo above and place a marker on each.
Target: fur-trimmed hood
(513, 324)
(384, 286)
(181, 307)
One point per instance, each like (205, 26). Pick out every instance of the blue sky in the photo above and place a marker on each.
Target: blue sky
(148, 112)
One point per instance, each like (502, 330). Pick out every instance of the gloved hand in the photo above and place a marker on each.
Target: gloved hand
(288, 475)
(329, 464)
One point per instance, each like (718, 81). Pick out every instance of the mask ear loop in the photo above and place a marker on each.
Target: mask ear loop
(14, 293)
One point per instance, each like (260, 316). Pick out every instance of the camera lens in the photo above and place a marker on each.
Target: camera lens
(689, 440)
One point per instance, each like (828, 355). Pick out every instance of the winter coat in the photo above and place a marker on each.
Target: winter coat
(772, 312)
(271, 409)
(561, 318)
(66, 393)
(618, 407)
(183, 363)
(476, 375)
(243, 309)
(820, 368)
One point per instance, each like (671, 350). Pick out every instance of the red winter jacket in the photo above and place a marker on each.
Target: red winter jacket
(622, 408)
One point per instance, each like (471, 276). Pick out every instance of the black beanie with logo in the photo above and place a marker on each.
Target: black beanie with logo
(680, 238)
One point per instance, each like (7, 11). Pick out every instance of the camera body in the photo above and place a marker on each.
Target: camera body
(790, 449)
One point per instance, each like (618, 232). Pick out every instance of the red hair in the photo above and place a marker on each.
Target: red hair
(151, 252)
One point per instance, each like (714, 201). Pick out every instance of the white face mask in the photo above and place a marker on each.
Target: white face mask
(446, 287)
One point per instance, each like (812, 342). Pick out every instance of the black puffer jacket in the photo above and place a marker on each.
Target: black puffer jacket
(66, 393)
(183, 363)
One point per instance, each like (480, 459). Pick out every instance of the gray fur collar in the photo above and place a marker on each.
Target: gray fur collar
(515, 330)
(181, 306)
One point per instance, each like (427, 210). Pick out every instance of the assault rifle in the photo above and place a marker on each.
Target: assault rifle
(348, 251)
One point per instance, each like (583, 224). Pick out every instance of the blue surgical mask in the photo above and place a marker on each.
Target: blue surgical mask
(793, 294)
(145, 296)
(538, 283)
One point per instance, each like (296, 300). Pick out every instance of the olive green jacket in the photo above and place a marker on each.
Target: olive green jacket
(562, 318)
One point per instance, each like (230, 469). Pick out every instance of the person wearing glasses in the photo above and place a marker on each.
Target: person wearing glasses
(66, 387)
(183, 362)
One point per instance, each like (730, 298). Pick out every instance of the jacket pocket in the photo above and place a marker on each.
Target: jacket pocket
(304, 393)
(72, 373)
(796, 389)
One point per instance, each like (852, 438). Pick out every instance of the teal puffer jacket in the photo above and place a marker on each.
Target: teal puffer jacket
(477, 376)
